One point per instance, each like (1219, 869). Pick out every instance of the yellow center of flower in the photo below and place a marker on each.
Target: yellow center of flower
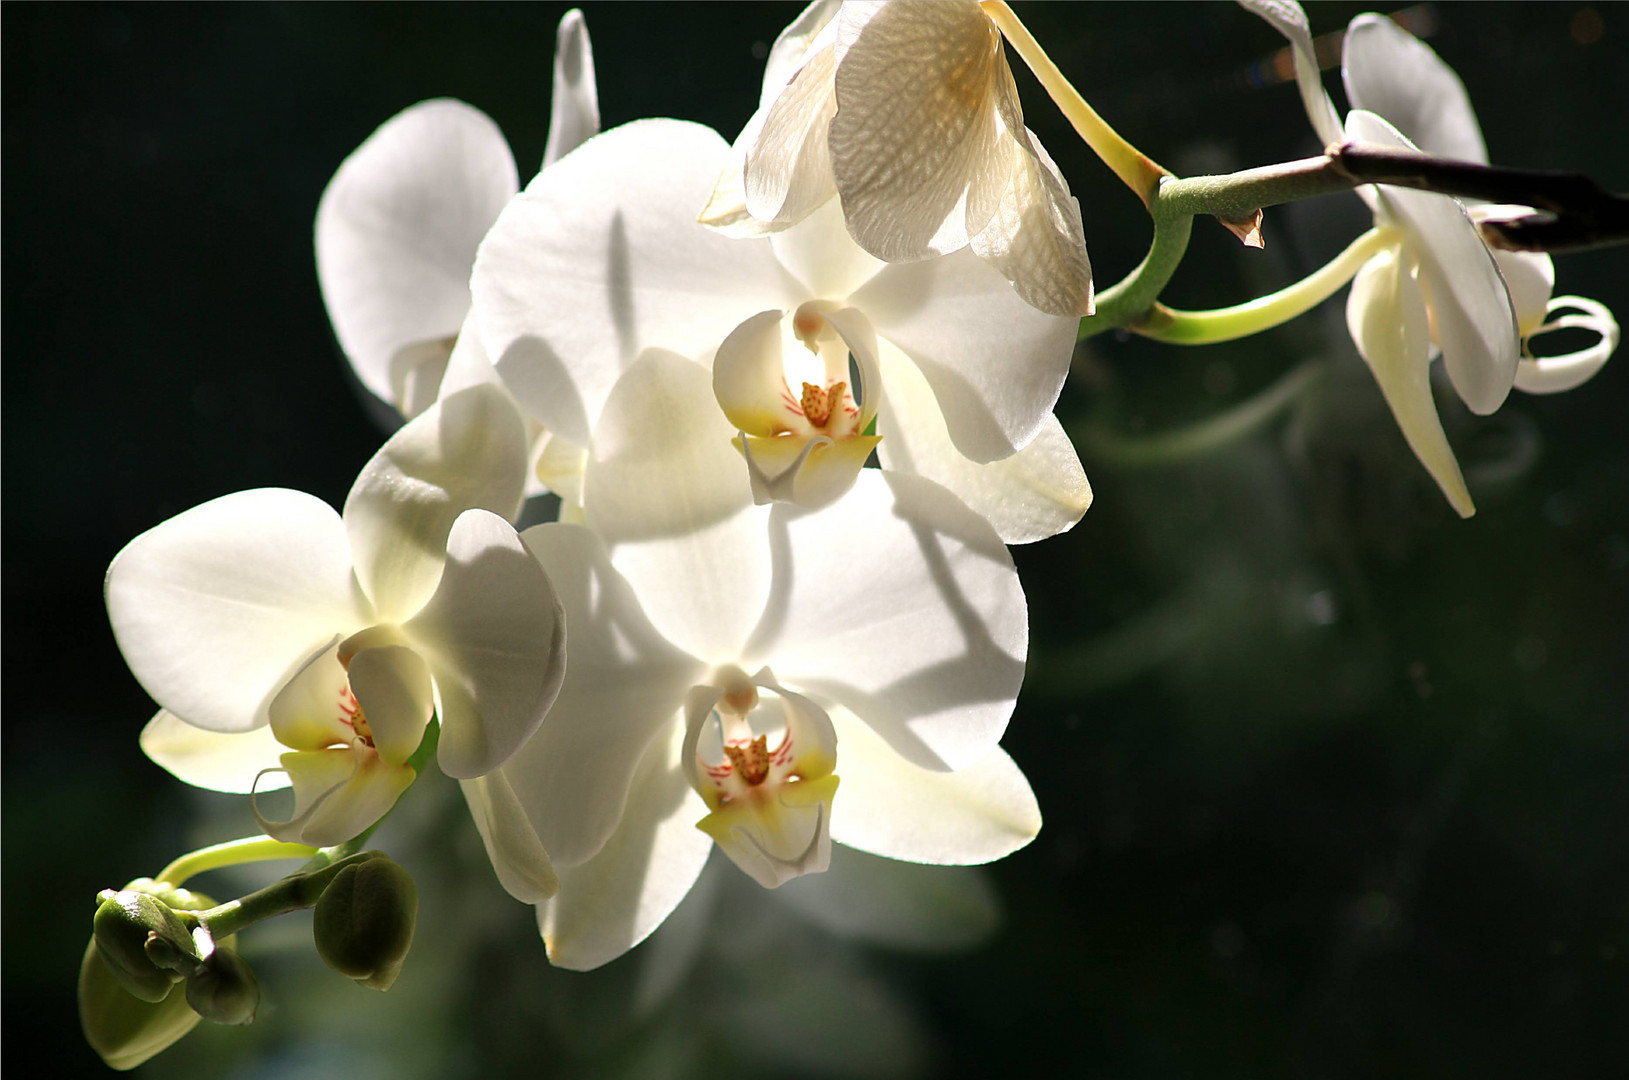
(751, 761)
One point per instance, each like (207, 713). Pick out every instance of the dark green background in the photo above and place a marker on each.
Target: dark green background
(1336, 785)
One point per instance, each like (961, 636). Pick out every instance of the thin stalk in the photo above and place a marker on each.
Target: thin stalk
(1230, 323)
(232, 853)
(1134, 168)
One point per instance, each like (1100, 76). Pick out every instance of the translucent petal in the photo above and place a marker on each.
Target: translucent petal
(315, 709)
(1471, 314)
(1288, 19)
(1038, 492)
(670, 496)
(337, 794)
(397, 230)
(468, 450)
(787, 169)
(916, 143)
(216, 608)
(803, 35)
(611, 903)
(1386, 315)
(624, 684)
(392, 687)
(494, 636)
(749, 377)
(574, 105)
(1530, 277)
(819, 252)
(1391, 73)
(602, 257)
(996, 364)
(900, 603)
(897, 905)
(893, 808)
(211, 759)
(518, 858)
(1553, 374)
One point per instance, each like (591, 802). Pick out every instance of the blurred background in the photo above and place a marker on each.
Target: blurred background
(1335, 784)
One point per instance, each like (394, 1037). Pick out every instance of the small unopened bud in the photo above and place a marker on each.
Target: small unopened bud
(224, 989)
(363, 922)
(123, 1029)
(123, 925)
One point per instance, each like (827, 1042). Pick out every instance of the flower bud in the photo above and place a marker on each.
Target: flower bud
(224, 989)
(364, 921)
(123, 925)
(123, 1029)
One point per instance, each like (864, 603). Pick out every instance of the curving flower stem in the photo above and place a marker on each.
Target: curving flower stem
(250, 849)
(1241, 320)
(297, 891)
(1134, 168)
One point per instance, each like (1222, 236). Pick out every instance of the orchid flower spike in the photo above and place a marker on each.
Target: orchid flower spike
(809, 338)
(1392, 74)
(397, 230)
(341, 633)
(763, 679)
(907, 111)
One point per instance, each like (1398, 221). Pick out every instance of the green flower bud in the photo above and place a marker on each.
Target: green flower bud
(224, 989)
(123, 1029)
(123, 925)
(364, 921)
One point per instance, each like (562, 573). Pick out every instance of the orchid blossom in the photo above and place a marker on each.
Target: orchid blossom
(396, 235)
(1389, 72)
(1434, 285)
(341, 633)
(601, 259)
(765, 679)
(908, 113)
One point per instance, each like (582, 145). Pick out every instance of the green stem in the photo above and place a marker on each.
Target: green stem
(232, 853)
(1230, 323)
(1168, 448)
(1134, 168)
(1128, 300)
(301, 890)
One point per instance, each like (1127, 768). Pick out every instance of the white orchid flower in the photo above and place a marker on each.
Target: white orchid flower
(1393, 74)
(780, 677)
(907, 111)
(1435, 285)
(601, 259)
(342, 632)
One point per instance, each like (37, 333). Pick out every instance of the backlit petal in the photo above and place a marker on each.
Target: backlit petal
(216, 608)
(211, 759)
(469, 450)
(518, 858)
(1553, 374)
(494, 636)
(1390, 72)
(392, 688)
(892, 808)
(574, 106)
(787, 168)
(900, 603)
(337, 794)
(397, 230)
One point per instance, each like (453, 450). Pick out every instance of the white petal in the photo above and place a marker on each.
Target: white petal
(624, 684)
(574, 107)
(397, 230)
(897, 905)
(611, 903)
(1035, 237)
(216, 608)
(1530, 276)
(602, 257)
(1553, 374)
(915, 145)
(749, 375)
(803, 35)
(995, 363)
(1471, 314)
(1036, 493)
(1288, 19)
(518, 858)
(1390, 72)
(786, 171)
(819, 252)
(392, 687)
(900, 603)
(468, 450)
(889, 807)
(211, 759)
(337, 794)
(1386, 315)
(671, 497)
(494, 636)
